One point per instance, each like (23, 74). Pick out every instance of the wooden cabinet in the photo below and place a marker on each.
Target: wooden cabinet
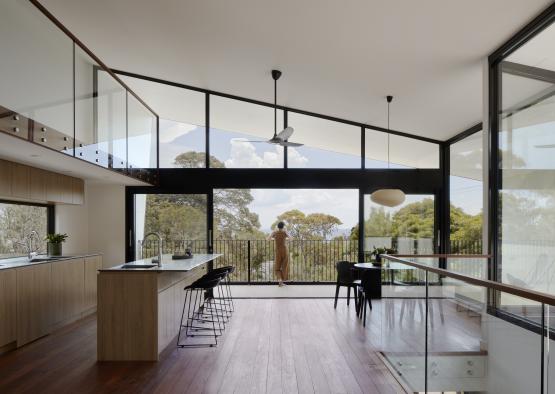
(5, 178)
(8, 306)
(33, 302)
(92, 265)
(68, 290)
(33, 184)
(38, 184)
(78, 191)
(21, 181)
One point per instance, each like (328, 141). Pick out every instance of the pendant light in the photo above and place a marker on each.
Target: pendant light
(388, 197)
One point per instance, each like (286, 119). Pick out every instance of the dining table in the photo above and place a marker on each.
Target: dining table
(390, 269)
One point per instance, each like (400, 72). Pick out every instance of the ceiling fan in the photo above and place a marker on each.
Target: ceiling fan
(282, 137)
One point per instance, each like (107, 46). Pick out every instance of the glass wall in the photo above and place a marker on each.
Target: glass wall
(16, 223)
(56, 95)
(466, 194)
(182, 122)
(400, 152)
(527, 163)
(327, 144)
(181, 220)
(36, 73)
(238, 135)
(407, 228)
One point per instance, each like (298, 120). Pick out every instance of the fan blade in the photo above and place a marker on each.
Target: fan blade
(238, 140)
(290, 144)
(545, 146)
(285, 133)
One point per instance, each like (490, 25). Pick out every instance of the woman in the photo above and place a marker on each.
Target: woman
(281, 262)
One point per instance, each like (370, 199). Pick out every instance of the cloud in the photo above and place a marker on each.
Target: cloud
(243, 155)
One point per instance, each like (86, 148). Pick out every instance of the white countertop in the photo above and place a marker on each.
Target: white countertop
(167, 264)
(17, 262)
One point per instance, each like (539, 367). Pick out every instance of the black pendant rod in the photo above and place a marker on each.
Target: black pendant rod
(275, 75)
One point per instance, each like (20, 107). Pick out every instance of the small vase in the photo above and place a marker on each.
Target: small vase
(54, 249)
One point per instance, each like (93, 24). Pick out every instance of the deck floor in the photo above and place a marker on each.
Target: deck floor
(270, 346)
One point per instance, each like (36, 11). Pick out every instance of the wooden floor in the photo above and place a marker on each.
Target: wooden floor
(270, 346)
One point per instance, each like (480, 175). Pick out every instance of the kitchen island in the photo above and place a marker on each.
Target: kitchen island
(139, 308)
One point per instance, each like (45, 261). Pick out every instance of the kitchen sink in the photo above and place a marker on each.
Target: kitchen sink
(138, 266)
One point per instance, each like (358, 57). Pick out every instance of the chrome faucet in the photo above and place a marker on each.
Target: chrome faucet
(159, 245)
(28, 244)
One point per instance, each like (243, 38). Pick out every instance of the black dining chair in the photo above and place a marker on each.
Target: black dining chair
(366, 291)
(346, 278)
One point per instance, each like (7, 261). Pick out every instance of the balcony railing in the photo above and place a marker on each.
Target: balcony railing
(309, 260)
(56, 93)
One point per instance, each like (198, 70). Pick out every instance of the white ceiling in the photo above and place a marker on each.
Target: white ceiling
(338, 57)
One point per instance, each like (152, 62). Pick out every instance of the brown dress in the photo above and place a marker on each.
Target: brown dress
(281, 263)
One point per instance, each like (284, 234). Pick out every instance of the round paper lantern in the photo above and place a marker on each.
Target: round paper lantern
(388, 197)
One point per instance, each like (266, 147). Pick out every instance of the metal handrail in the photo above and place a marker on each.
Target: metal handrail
(533, 295)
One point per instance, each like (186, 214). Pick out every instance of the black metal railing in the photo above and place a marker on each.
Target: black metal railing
(309, 260)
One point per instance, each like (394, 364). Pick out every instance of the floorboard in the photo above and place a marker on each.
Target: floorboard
(269, 346)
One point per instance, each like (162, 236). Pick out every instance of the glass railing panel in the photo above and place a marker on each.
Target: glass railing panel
(37, 77)
(457, 352)
(402, 335)
(142, 135)
(86, 109)
(110, 122)
(473, 347)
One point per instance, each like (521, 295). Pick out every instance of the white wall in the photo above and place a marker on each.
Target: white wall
(106, 210)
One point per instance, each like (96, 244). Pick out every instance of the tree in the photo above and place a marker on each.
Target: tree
(16, 222)
(415, 220)
(193, 159)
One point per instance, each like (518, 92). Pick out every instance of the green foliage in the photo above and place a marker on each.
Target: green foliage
(16, 222)
(56, 238)
(311, 226)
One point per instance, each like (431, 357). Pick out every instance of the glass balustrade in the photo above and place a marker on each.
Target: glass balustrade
(451, 330)
(56, 94)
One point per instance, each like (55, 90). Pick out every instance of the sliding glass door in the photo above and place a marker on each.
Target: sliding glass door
(407, 229)
(180, 219)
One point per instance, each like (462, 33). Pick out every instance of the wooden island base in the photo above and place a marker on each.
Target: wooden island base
(139, 312)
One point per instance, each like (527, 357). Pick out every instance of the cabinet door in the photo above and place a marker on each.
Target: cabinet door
(21, 178)
(38, 184)
(66, 185)
(67, 290)
(92, 265)
(78, 191)
(53, 187)
(5, 178)
(8, 306)
(33, 302)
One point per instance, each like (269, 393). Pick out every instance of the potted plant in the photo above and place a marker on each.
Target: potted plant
(54, 246)
(377, 252)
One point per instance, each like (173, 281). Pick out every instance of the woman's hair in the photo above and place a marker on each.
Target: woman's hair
(281, 225)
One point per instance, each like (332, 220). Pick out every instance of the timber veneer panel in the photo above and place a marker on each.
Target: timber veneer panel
(68, 290)
(92, 265)
(8, 306)
(21, 181)
(33, 302)
(5, 178)
(38, 183)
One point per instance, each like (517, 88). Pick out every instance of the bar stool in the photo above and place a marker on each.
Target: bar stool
(199, 319)
(219, 303)
(227, 284)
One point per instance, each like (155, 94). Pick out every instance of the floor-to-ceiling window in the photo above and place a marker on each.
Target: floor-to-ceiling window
(180, 219)
(466, 195)
(321, 224)
(526, 234)
(407, 228)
